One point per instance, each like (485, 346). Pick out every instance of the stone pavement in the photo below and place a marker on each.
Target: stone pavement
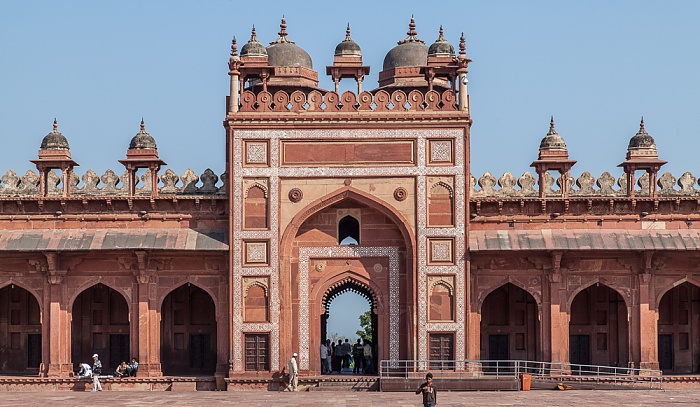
(353, 399)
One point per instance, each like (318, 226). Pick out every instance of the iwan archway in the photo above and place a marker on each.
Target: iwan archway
(348, 237)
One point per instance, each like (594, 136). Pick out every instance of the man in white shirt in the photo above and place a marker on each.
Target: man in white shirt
(293, 373)
(85, 371)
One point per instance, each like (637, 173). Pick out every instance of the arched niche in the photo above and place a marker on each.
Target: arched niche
(20, 332)
(598, 328)
(509, 325)
(100, 324)
(188, 332)
(679, 330)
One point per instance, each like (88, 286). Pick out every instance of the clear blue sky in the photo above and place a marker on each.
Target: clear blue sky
(597, 66)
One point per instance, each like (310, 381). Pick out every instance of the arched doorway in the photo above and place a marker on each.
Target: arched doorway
(100, 324)
(188, 332)
(598, 332)
(342, 290)
(20, 332)
(509, 325)
(679, 330)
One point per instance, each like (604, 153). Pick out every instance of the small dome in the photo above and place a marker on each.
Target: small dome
(348, 47)
(441, 48)
(54, 140)
(642, 140)
(142, 140)
(283, 52)
(410, 51)
(552, 141)
(253, 48)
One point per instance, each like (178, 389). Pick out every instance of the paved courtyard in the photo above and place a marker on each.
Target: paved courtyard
(348, 399)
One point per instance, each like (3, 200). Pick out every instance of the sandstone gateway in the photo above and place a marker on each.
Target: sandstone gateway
(327, 192)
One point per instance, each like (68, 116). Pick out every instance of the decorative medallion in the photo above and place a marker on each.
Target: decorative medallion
(347, 182)
(377, 268)
(295, 195)
(400, 194)
(320, 266)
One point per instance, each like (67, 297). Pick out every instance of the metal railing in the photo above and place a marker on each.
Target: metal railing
(553, 371)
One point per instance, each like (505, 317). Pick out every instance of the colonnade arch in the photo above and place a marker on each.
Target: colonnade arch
(20, 331)
(510, 324)
(100, 324)
(679, 328)
(598, 327)
(188, 332)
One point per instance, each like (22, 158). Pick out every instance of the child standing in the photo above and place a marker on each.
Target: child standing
(429, 391)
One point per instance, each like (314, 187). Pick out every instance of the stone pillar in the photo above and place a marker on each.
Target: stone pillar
(148, 328)
(647, 337)
(58, 333)
(559, 321)
(223, 354)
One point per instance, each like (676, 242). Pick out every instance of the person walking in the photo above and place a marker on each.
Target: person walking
(429, 391)
(293, 373)
(324, 358)
(339, 354)
(96, 372)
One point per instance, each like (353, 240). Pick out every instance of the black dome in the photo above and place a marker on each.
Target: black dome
(441, 48)
(552, 141)
(54, 140)
(142, 140)
(642, 139)
(253, 48)
(283, 52)
(348, 47)
(409, 52)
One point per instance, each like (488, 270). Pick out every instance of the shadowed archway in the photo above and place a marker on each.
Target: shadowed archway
(20, 332)
(188, 332)
(100, 324)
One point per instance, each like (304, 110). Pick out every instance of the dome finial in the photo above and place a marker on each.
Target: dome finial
(283, 28)
(55, 125)
(551, 125)
(347, 33)
(462, 45)
(441, 37)
(412, 33)
(641, 124)
(143, 125)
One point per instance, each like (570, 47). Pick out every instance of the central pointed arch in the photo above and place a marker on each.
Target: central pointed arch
(403, 258)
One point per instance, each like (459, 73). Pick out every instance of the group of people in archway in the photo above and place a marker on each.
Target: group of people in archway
(335, 358)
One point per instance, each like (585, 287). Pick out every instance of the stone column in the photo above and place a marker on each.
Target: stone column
(58, 334)
(559, 321)
(648, 326)
(148, 328)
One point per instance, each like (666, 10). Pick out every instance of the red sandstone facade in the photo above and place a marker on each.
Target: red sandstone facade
(326, 192)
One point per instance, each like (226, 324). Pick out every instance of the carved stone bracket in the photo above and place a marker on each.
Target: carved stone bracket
(51, 267)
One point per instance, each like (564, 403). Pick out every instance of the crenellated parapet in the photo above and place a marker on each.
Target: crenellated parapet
(110, 184)
(585, 186)
(379, 101)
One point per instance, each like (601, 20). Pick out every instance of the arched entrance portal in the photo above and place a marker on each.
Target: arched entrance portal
(509, 325)
(598, 328)
(188, 332)
(335, 291)
(679, 330)
(100, 325)
(20, 331)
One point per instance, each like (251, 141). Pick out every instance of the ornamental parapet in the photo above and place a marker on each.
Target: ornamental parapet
(111, 184)
(330, 102)
(586, 186)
